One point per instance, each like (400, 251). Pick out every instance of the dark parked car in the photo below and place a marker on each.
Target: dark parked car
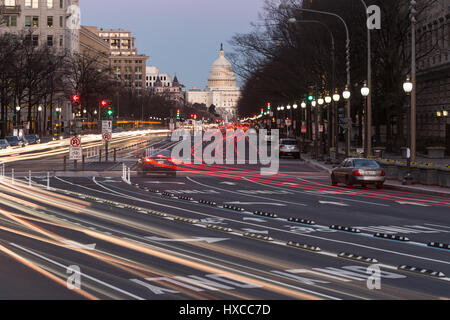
(158, 162)
(31, 139)
(4, 144)
(14, 141)
(358, 171)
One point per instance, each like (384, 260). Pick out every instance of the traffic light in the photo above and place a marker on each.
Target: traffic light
(262, 111)
(268, 106)
(110, 111)
(103, 103)
(310, 93)
(178, 114)
(76, 106)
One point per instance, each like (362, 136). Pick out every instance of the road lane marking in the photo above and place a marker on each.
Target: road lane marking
(413, 203)
(81, 273)
(324, 195)
(195, 239)
(256, 225)
(250, 195)
(254, 203)
(334, 203)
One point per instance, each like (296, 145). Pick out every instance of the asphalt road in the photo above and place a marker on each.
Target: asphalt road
(156, 238)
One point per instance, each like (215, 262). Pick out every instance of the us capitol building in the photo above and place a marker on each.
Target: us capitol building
(221, 91)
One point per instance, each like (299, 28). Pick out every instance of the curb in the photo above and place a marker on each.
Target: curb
(387, 184)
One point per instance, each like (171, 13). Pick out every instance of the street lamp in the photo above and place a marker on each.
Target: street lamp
(303, 105)
(346, 93)
(320, 101)
(328, 99)
(365, 90)
(336, 97)
(408, 86)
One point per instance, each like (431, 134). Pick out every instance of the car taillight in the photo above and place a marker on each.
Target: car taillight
(383, 173)
(356, 173)
(281, 145)
(148, 160)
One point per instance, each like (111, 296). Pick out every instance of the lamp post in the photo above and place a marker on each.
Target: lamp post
(365, 92)
(289, 117)
(413, 12)
(336, 98)
(39, 120)
(17, 116)
(347, 51)
(441, 114)
(408, 87)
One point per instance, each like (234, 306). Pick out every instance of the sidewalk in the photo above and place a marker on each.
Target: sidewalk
(393, 184)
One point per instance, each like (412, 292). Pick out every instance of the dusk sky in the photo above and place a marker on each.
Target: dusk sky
(180, 36)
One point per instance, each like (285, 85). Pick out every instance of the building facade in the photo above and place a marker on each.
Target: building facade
(47, 22)
(221, 90)
(162, 83)
(129, 67)
(433, 77)
(94, 46)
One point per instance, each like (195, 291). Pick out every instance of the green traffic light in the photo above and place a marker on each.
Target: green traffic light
(109, 112)
(310, 98)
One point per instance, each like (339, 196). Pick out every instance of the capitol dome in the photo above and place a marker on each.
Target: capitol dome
(221, 76)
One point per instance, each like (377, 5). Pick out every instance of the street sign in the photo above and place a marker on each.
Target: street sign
(75, 150)
(106, 136)
(107, 126)
(303, 129)
(75, 142)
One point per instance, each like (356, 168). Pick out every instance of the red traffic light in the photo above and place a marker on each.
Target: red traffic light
(103, 103)
(75, 98)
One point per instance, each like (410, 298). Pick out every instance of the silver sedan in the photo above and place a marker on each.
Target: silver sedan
(358, 171)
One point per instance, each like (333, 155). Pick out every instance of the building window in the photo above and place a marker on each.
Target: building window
(61, 21)
(50, 22)
(35, 40)
(27, 4)
(10, 21)
(61, 4)
(27, 21)
(50, 40)
(10, 3)
(35, 22)
(50, 4)
(61, 40)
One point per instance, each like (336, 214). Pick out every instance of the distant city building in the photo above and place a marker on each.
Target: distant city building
(129, 67)
(46, 22)
(221, 91)
(161, 83)
(94, 46)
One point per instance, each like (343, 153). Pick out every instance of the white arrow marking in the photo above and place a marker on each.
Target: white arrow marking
(228, 183)
(265, 203)
(413, 203)
(256, 231)
(159, 182)
(254, 219)
(195, 239)
(333, 203)
(290, 184)
(77, 245)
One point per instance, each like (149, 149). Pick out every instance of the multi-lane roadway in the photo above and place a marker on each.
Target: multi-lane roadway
(218, 232)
